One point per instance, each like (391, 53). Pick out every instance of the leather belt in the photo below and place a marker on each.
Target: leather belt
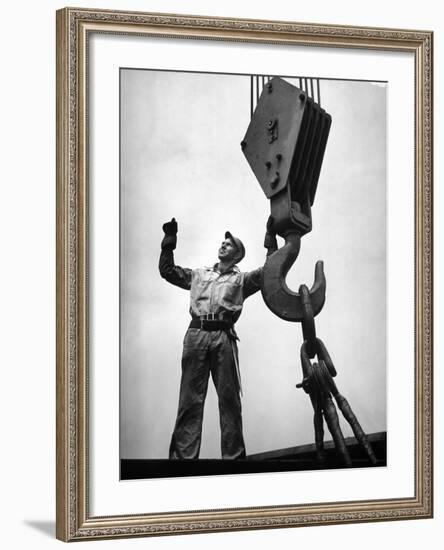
(211, 321)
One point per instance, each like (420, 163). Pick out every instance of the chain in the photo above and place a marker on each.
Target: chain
(312, 346)
(318, 383)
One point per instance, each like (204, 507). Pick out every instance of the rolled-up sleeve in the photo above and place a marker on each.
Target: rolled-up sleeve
(174, 274)
(252, 282)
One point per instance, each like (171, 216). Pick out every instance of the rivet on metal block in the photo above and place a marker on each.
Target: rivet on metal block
(276, 180)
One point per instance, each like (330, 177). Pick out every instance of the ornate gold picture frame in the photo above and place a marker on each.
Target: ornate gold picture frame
(77, 517)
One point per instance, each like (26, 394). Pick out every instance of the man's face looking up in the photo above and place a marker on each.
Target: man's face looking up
(228, 251)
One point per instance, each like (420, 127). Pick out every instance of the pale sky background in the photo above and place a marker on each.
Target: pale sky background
(180, 156)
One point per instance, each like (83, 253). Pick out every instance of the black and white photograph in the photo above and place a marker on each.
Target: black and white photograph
(253, 271)
(221, 285)
(244, 274)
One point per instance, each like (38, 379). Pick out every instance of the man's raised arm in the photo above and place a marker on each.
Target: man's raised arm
(174, 274)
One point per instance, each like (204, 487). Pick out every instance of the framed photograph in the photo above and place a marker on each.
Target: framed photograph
(244, 274)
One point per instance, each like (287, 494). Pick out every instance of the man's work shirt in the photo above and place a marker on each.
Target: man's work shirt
(210, 290)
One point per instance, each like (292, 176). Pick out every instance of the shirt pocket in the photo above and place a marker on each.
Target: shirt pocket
(230, 293)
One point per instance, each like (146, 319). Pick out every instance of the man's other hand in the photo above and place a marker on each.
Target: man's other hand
(170, 228)
(169, 241)
(270, 226)
(270, 242)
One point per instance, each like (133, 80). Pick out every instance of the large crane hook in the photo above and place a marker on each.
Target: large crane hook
(282, 301)
(284, 145)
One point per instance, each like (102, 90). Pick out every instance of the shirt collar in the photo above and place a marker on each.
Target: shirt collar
(233, 269)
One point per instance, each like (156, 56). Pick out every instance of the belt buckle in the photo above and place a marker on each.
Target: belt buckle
(207, 319)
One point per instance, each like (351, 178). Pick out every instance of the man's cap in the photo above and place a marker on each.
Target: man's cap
(237, 243)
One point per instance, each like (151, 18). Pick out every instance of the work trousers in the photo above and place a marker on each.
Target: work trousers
(206, 352)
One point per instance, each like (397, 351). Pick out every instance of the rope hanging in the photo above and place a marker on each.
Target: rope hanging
(311, 86)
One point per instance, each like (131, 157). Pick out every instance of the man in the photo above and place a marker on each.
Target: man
(217, 294)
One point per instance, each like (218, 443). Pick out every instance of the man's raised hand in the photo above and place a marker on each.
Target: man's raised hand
(170, 239)
(170, 228)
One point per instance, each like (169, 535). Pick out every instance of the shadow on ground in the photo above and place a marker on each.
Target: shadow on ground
(45, 527)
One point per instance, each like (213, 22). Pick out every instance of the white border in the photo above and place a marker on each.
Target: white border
(108, 496)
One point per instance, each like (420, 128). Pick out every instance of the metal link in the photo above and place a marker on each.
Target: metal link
(321, 351)
(323, 355)
(308, 324)
(307, 371)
